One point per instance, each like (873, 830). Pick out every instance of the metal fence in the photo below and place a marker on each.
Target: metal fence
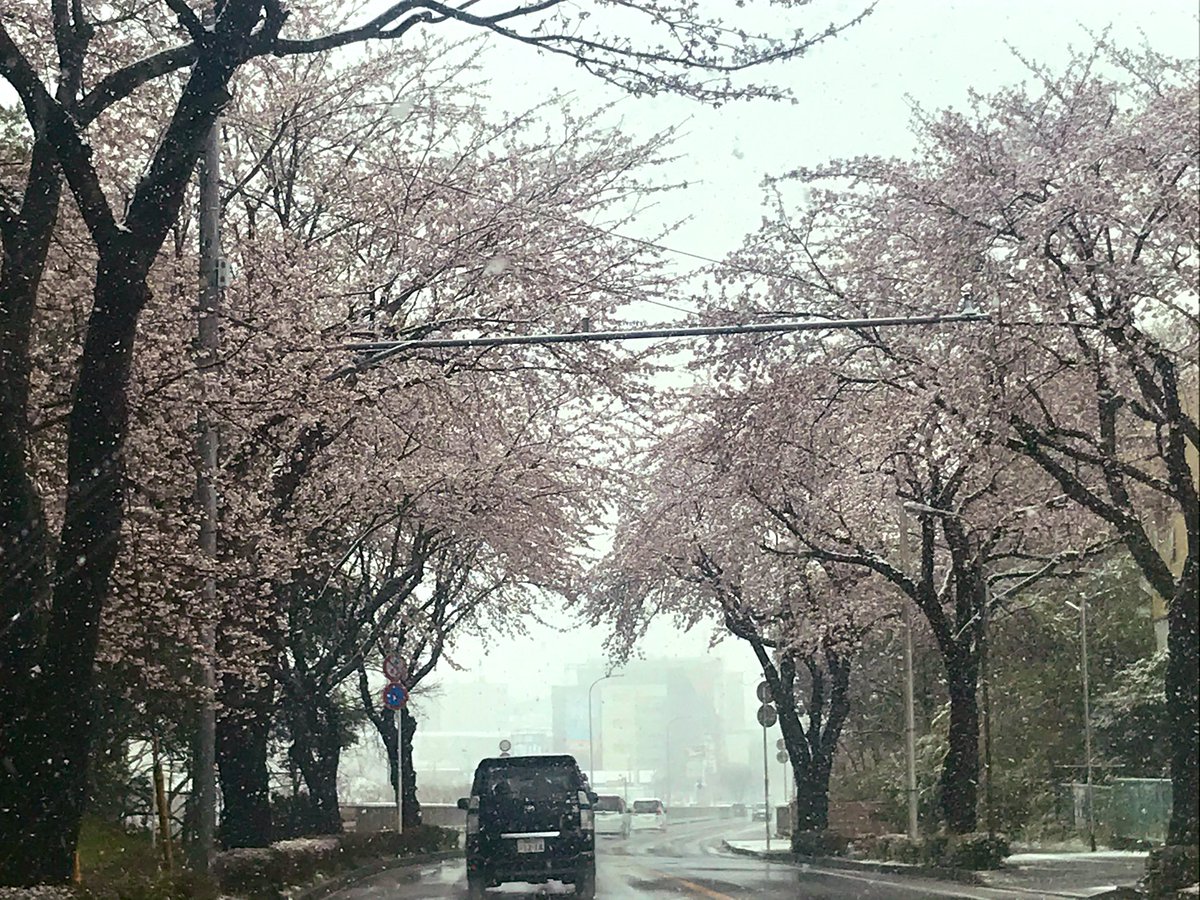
(1124, 809)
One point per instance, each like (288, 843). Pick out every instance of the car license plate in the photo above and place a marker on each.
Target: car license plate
(531, 845)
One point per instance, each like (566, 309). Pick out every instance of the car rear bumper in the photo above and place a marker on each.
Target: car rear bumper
(563, 859)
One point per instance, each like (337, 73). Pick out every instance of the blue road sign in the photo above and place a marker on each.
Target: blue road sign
(395, 696)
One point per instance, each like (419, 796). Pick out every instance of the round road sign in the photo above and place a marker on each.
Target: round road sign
(763, 692)
(395, 668)
(780, 745)
(781, 756)
(505, 746)
(395, 696)
(767, 716)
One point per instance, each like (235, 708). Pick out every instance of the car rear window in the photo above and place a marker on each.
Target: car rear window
(544, 780)
(646, 806)
(610, 804)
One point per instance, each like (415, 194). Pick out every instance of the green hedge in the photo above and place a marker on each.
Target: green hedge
(264, 872)
(819, 843)
(961, 851)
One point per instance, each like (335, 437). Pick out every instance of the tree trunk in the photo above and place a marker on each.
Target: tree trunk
(242, 732)
(316, 750)
(412, 808)
(46, 744)
(812, 797)
(322, 783)
(960, 769)
(24, 544)
(812, 780)
(1183, 704)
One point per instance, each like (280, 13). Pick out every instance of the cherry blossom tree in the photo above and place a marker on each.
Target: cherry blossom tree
(830, 437)
(1067, 210)
(689, 547)
(128, 236)
(318, 250)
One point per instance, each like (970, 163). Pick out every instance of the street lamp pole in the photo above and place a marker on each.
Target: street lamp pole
(591, 744)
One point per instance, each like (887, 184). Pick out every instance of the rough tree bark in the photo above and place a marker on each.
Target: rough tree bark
(316, 726)
(959, 780)
(243, 731)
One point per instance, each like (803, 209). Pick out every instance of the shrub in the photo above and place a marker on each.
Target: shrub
(819, 842)
(1171, 868)
(265, 871)
(966, 851)
(419, 839)
(975, 851)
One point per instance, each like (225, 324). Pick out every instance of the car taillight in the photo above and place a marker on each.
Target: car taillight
(473, 815)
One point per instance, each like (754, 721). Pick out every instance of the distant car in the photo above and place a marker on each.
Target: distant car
(759, 812)
(738, 810)
(529, 818)
(612, 816)
(649, 815)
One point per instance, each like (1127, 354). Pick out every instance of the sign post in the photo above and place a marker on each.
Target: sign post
(395, 698)
(766, 718)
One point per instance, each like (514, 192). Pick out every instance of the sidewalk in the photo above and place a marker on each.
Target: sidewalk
(1106, 873)
(1070, 874)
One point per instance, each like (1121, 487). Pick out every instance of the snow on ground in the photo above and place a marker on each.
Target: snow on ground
(1025, 858)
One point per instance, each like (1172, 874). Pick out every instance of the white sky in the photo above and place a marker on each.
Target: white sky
(851, 96)
(851, 100)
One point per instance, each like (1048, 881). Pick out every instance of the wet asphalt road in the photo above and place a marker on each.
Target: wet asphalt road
(686, 862)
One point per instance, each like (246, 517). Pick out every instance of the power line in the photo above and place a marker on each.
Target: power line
(384, 350)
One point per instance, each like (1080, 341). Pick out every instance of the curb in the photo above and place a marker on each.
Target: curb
(335, 883)
(960, 876)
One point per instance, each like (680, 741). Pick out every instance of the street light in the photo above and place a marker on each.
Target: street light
(591, 745)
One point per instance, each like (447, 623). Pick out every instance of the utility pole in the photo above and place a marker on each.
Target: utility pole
(1087, 721)
(207, 350)
(766, 790)
(910, 725)
(985, 676)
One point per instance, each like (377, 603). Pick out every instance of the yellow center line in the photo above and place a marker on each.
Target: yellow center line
(697, 888)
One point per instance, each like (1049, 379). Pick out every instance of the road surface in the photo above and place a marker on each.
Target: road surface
(686, 863)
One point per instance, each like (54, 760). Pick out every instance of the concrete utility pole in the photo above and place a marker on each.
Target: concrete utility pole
(1087, 717)
(207, 350)
(910, 725)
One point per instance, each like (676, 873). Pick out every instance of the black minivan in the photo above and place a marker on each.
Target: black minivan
(530, 818)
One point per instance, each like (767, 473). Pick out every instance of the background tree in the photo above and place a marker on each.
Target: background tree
(1067, 210)
(689, 549)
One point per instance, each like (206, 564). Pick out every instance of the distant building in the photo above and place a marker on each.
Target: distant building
(669, 718)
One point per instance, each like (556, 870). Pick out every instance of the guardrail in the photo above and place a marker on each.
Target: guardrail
(382, 816)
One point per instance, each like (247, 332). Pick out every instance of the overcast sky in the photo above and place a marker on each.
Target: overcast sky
(854, 97)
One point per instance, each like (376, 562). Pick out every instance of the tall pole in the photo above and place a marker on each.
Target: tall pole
(591, 744)
(985, 680)
(400, 771)
(1087, 722)
(910, 723)
(766, 789)
(669, 806)
(207, 350)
